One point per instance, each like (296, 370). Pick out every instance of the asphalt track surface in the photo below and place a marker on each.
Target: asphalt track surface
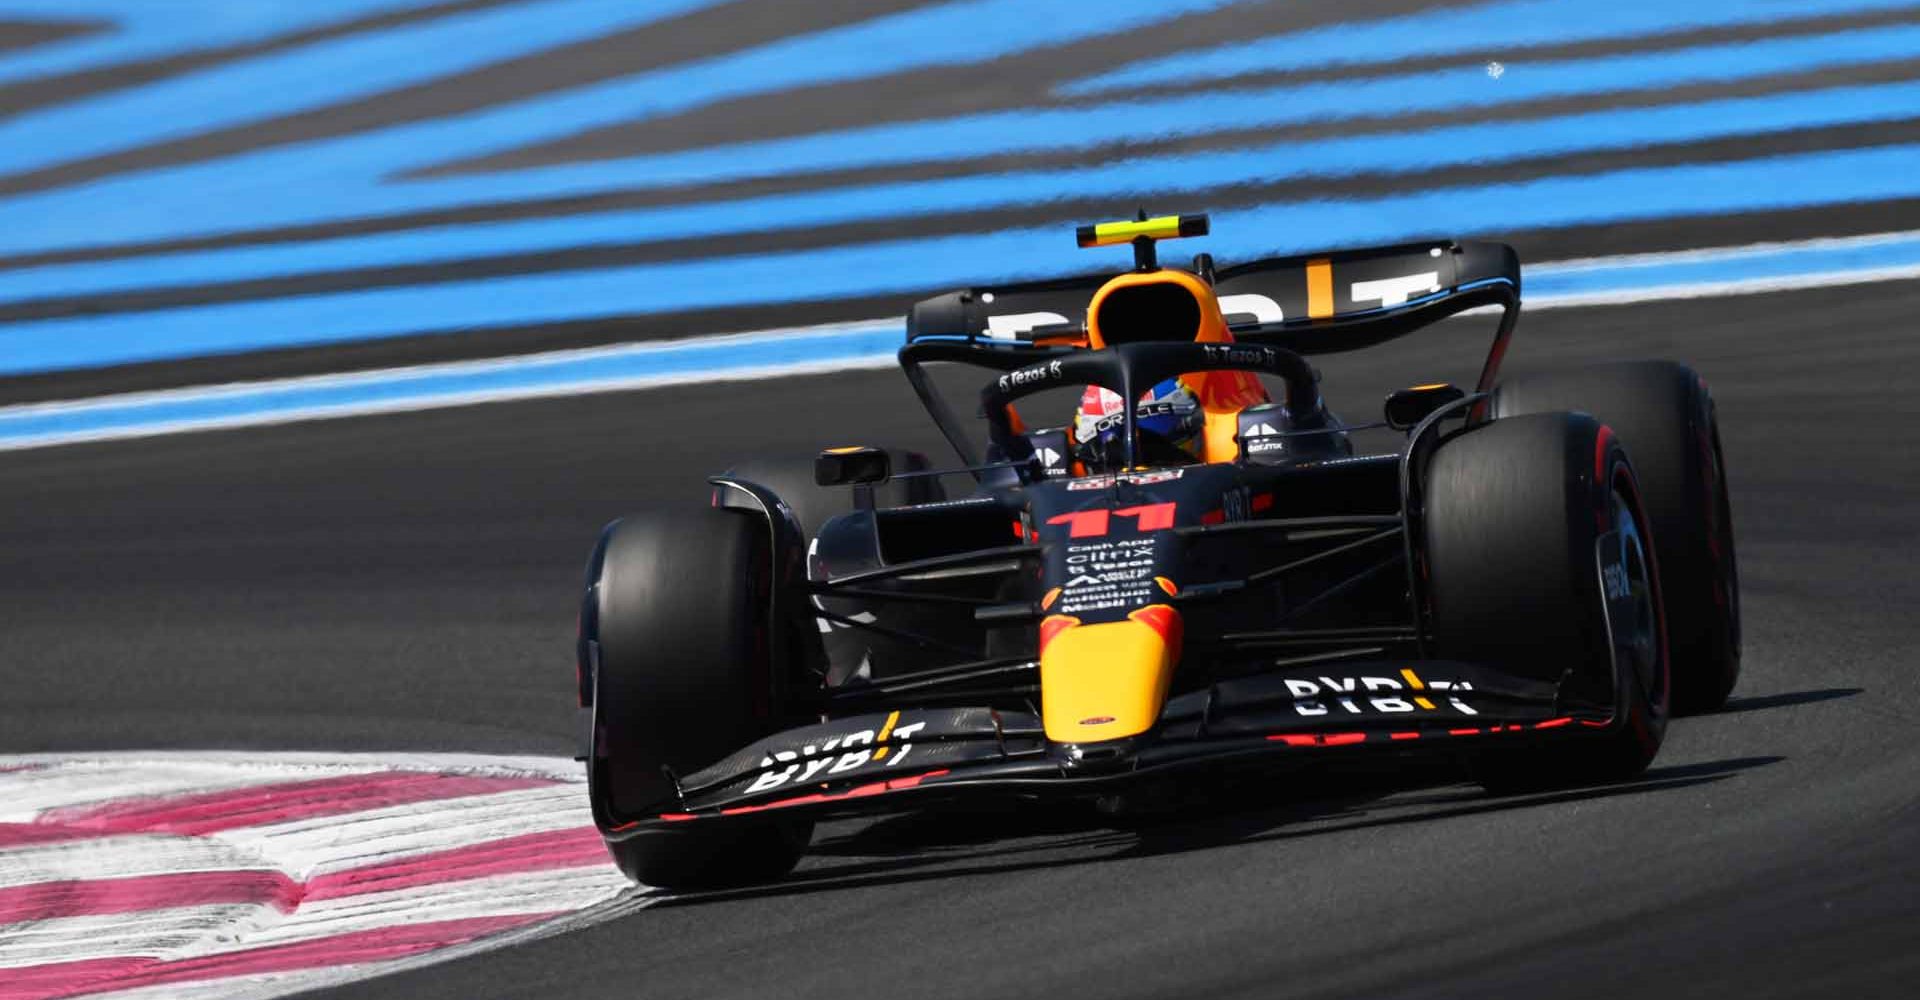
(406, 582)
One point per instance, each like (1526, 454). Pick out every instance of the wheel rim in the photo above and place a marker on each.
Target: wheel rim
(1636, 622)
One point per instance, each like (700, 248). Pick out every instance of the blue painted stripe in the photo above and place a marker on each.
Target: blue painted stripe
(788, 352)
(1759, 185)
(353, 175)
(1503, 26)
(150, 29)
(1503, 142)
(1031, 131)
(530, 375)
(342, 177)
(310, 77)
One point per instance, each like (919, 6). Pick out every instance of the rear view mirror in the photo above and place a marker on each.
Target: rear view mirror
(855, 466)
(1407, 407)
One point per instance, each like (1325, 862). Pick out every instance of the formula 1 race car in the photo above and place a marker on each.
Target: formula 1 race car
(1528, 581)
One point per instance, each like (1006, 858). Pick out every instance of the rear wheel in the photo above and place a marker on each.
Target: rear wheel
(1665, 416)
(678, 614)
(1538, 564)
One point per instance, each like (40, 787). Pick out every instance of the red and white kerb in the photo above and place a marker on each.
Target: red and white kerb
(255, 875)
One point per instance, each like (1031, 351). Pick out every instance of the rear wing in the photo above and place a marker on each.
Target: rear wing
(1310, 304)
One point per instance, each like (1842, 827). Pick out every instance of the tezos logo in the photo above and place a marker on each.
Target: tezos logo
(1221, 354)
(1028, 376)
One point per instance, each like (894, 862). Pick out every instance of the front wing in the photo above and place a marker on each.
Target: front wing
(885, 761)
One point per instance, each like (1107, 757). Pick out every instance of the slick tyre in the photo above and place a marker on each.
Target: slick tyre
(1516, 513)
(1665, 417)
(791, 479)
(678, 606)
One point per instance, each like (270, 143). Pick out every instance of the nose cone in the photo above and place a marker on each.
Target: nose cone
(1107, 681)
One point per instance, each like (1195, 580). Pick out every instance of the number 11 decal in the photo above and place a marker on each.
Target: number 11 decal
(1095, 523)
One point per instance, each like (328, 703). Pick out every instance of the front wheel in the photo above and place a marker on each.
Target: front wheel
(1666, 418)
(1540, 563)
(676, 616)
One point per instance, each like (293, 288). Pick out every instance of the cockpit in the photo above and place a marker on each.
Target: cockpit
(1209, 414)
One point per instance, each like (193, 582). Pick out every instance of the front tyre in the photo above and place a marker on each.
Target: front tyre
(682, 677)
(1666, 418)
(1539, 564)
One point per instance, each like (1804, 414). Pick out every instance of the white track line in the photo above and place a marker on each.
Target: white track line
(325, 844)
(1719, 289)
(561, 890)
(744, 341)
(451, 401)
(1702, 255)
(108, 418)
(198, 931)
(181, 931)
(124, 856)
(272, 985)
(31, 792)
(310, 763)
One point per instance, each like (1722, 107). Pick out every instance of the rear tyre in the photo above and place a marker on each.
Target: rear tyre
(679, 615)
(1515, 515)
(1664, 415)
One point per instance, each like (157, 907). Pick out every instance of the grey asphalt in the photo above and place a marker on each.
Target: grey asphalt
(407, 582)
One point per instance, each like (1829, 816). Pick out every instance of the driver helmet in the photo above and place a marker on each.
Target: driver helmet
(1170, 419)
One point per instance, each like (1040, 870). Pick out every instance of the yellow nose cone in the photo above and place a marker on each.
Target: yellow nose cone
(1108, 681)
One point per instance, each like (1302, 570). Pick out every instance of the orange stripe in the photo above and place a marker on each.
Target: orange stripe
(886, 731)
(1319, 288)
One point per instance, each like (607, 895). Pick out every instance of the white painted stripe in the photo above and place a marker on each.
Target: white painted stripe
(1718, 289)
(571, 373)
(343, 762)
(256, 987)
(178, 932)
(1703, 255)
(450, 401)
(742, 342)
(556, 891)
(307, 848)
(29, 793)
(272, 985)
(124, 856)
(198, 931)
(324, 844)
(95, 927)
